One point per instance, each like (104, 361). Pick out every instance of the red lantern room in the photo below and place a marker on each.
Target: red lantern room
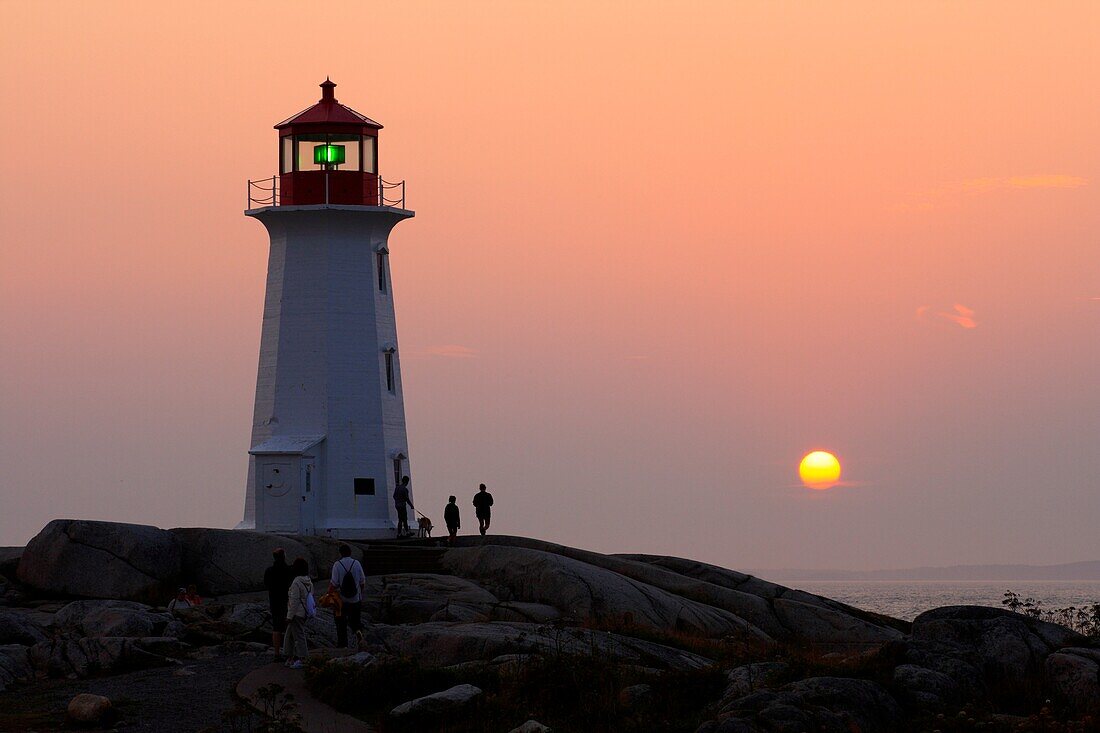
(328, 154)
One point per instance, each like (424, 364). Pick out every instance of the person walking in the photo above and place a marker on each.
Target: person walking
(277, 580)
(350, 581)
(401, 497)
(297, 613)
(483, 501)
(450, 517)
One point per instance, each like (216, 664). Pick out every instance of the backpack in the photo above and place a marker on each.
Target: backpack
(348, 586)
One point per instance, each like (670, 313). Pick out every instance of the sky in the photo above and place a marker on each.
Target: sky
(661, 251)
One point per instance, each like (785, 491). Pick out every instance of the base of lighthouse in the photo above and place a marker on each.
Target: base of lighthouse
(329, 442)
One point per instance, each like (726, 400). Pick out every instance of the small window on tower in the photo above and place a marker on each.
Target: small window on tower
(364, 487)
(390, 381)
(381, 257)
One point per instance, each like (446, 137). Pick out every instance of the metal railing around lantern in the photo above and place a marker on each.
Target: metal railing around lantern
(265, 192)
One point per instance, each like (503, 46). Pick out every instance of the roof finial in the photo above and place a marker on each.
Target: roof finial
(326, 90)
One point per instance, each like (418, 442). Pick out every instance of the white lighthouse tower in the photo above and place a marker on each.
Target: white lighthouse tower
(328, 432)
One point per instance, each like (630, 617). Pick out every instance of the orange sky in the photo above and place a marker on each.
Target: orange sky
(661, 251)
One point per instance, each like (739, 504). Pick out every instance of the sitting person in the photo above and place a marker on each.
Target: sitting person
(193, 595)
(181, 601)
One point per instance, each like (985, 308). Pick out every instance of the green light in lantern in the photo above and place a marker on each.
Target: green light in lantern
(328, 155)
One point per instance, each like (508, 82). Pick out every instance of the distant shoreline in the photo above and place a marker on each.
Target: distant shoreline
(1075, 571)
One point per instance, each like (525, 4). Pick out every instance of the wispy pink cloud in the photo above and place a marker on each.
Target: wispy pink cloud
(959, 314)
(951, 192)
(1000, 183)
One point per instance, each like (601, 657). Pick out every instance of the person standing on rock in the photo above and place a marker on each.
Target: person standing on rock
(401, 497)
(350, 581)
(277, 580)
(297, 613)
(450, 518)
(483, 501)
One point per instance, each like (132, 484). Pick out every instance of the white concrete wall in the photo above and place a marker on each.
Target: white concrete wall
(322, 366)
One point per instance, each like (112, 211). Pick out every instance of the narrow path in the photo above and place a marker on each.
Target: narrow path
(317, 717)
(185, 698)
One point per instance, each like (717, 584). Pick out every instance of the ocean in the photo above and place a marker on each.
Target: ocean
(905, 599)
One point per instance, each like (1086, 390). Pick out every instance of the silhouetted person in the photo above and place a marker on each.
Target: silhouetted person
(350, 581)
(483, 500)
(277, 581)
(400, 499)
(450, 517)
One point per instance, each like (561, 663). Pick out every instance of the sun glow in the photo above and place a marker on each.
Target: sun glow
(819, 470)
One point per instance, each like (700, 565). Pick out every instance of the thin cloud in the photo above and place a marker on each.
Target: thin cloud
(959, 314)
(954, 191)
(1046, 180)
(963, 316)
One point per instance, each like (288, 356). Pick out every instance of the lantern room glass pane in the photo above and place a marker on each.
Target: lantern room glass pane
(287, 155)
(370, 154)
(309, 156)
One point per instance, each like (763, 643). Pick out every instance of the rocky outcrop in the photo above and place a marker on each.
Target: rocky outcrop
(15, 665)
(512, 608)
(586, 593)
(85, 657)
(18, 628)
(531, 726)
(9, 561)
(923, 689)
(825, 704)
(81, 559)
(222, 562)
(117, 619)
(874, 628)
(1073, 678)
(988, 652)
(416, 598)
(749, 678)
(435, 706)
(779, 613)
(445, 644)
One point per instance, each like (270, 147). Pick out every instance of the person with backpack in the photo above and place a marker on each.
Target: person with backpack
(450, 517)
(483, 502)
(301, 607)
(349, 580)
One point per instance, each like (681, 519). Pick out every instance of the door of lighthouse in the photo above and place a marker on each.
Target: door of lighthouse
(308, 510)
(279, 494)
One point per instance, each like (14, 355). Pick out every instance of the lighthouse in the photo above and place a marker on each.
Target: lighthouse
(328, 431)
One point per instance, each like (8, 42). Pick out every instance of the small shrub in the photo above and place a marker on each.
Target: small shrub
(1082, 619)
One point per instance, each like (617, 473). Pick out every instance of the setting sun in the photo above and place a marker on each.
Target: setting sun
(819, 470)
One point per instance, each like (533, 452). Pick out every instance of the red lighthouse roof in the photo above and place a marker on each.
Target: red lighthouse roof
(326, 115)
